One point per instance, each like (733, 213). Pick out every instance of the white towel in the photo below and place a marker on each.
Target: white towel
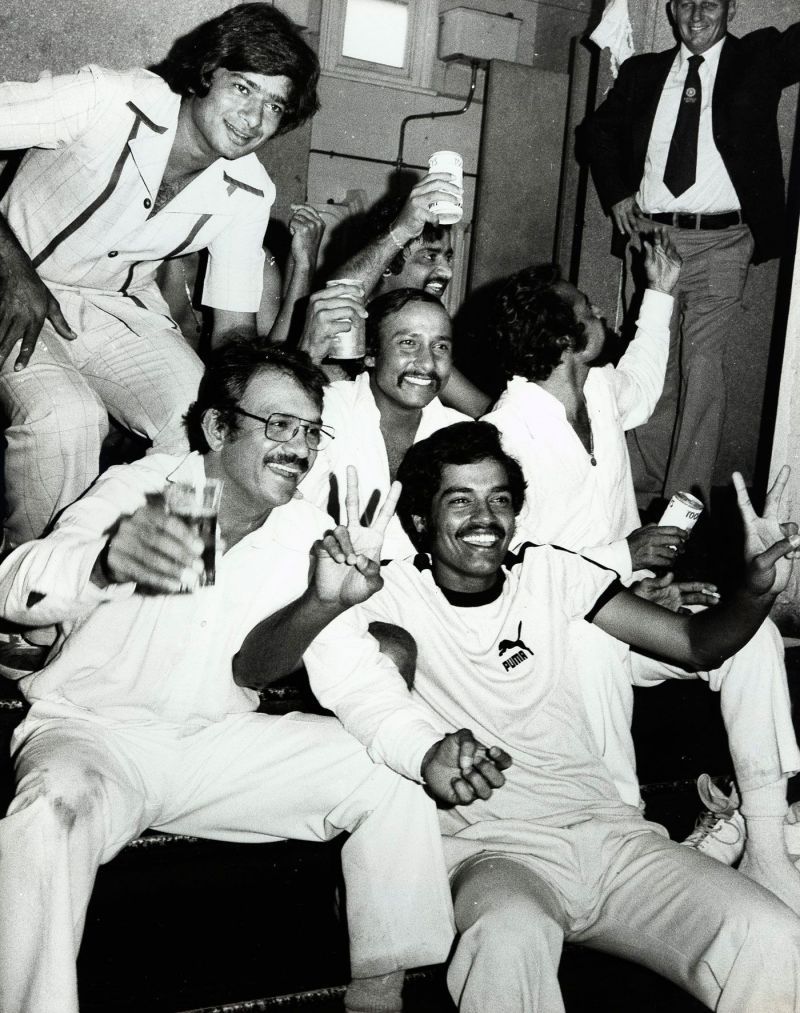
(614, 33)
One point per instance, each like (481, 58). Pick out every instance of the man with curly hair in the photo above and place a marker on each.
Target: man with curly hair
(548, 335)
(122, 171)
(565, 420)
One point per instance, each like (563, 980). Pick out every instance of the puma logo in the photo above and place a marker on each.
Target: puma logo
(519, 655)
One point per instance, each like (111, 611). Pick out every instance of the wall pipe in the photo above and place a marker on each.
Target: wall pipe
(368, 158)
(435, 115)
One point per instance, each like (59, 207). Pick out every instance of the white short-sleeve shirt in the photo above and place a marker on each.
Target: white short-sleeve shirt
(98, 142)
(498, 663)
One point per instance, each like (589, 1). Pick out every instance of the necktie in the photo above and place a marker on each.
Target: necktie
(681, 167)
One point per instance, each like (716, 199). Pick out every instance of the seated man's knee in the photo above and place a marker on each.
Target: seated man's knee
(66, 801)
(57, 406)
(399, 646)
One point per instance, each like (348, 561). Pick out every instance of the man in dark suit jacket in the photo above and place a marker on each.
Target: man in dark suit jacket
(727, 211)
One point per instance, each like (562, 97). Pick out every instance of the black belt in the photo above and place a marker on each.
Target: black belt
(684, 220)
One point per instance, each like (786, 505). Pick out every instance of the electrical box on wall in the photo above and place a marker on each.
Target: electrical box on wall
(467, 34)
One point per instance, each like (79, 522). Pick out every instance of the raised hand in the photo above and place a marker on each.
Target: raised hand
(347, 560)
(662, 262)
(25, 303)
(153, 549)
(458, 769)
(435, 186)
(307, 228)
(769, 545)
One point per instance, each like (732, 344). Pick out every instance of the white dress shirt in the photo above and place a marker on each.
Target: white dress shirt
(712, 191)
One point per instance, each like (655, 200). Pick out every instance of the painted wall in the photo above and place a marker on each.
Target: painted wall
(62, 35)
(364, 120)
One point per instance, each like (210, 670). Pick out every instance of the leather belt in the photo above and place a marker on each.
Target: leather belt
(684, 220)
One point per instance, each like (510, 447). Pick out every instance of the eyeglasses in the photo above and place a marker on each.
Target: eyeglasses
(282, 428)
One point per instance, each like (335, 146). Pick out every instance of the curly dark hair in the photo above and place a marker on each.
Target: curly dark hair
(421, 470)
(251, 37)
(228, 371)
(531, 324)
(378, 221)
(392, 302)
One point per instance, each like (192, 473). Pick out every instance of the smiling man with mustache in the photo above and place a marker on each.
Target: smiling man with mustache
(145, 714)
(556, 853)
(389, 407)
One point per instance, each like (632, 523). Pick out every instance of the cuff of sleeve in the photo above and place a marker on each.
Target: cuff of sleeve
(654, 302)
(91, 593)
(402, 742)
(238, 291)
(621, 558)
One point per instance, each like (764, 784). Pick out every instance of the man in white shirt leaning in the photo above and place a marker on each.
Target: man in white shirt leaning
(564, 420)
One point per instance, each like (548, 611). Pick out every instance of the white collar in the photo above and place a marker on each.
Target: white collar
(710, 57)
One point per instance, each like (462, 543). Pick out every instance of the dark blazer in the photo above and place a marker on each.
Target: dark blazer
(751, 75)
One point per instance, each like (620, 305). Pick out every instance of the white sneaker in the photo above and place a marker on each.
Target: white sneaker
(719, 831)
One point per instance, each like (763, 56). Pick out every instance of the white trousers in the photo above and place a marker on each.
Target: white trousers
(86, 788)
(57, 410)
(629, 892)
(754, 700)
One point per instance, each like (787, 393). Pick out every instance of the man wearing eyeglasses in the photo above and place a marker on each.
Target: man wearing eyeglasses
(143, 715)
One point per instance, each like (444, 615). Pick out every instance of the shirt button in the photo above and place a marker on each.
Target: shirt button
(147, 202)
(203, 624)
(113, 253)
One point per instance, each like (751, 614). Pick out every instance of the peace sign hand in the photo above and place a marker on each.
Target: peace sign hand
(770, 546)
(347, 560)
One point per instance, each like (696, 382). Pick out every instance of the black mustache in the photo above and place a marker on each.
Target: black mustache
(301, 462)
(482, 529)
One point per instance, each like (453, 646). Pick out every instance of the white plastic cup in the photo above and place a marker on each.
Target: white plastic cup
(448, 212)
(352, 343)
(682, 512)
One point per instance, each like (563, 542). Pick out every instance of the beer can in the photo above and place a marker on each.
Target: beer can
(450, 211)
(682, 511)
(352, 343)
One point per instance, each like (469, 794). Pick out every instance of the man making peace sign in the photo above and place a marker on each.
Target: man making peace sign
(136, 720)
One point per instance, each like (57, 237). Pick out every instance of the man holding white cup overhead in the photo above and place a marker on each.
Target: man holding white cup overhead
(409, 246)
